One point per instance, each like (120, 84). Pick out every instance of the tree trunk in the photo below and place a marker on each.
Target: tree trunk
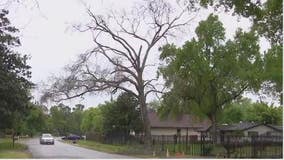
(214, 128)
(146, 122)
(13, 137)
(144, 112)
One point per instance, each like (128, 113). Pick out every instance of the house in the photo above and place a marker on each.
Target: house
(183, 125)
(245, 129)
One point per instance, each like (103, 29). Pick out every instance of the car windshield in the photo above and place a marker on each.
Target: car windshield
(46, 135)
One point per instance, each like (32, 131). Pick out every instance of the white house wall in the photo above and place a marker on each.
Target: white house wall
(172, 131)
(262, 129)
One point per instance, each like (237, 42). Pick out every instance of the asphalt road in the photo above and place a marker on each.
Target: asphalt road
(63, 150)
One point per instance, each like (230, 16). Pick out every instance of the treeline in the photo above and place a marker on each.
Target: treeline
(120, 116)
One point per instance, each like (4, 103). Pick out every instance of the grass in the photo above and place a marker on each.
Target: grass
(175, 151)
(266, 152)
(137, 150)
(8, 151)
(133, 150)
(130, 150)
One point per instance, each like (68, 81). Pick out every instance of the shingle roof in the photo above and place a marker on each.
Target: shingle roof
(244, 126)
(183, 121)
(279, 128)
(240, 126)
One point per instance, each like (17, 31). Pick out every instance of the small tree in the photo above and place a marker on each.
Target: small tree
(121, 116)
(60, 118)
(209, 72)
(92, 120)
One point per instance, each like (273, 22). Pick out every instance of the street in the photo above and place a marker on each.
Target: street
(63, 150)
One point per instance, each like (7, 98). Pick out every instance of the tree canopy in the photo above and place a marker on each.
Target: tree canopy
(245, 110)
(14, 74)
(122, 116)
(267, 21)
(208, 72)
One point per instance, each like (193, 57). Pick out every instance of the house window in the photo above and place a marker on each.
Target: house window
(178, 132)
(252, 133)
(193, 137)
(268, 133)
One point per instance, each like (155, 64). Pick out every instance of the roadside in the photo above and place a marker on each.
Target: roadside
(8, 151)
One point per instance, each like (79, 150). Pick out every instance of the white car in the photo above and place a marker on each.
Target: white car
(46, 138)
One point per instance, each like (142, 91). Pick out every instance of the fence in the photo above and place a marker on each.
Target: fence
(228, 146)
(190, 145)
(253, 146)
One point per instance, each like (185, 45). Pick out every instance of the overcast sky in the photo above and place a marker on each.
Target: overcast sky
(47, 35)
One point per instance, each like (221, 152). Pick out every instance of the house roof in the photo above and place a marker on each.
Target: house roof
(279, 128)
(243, 126)
(240, 126)
(183, 121)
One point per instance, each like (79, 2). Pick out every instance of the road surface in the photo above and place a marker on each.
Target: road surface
(63, 150)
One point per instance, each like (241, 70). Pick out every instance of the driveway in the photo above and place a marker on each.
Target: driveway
(63, 150)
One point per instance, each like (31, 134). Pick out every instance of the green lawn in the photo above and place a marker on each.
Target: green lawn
(131, 150)
(264, 152)
(139, 150)
(176, 151)
(8, 151)
(110, 148)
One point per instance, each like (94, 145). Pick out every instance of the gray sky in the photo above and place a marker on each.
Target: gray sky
(47, 35)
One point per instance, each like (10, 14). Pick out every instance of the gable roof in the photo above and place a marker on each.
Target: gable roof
(240, 126)
(244, 126)
(278, 128)
(183, 121)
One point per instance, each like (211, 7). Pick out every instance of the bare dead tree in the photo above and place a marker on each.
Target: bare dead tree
(123, 43)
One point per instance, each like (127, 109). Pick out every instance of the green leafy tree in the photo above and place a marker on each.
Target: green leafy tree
(76, 119)
(60, 116)
(262, 113)
(273, 76)
(245, 110)
(233, 113)
(14, 77)
(35, 121)
(14, 72)
(207, 73)
(92, 120)
(121, 116)
(267, 18)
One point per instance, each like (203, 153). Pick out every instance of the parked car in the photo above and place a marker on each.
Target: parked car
(46, 138)
(71, 137)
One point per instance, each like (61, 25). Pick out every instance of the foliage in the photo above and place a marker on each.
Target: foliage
(207, 73)
(60, 116)
(267, 18)
(35, 121)
(121, 116)
(154, 105)
(14, 74)
(76, 119)
(245, 110)
(92, 120)
(64, 121)
(274, 72)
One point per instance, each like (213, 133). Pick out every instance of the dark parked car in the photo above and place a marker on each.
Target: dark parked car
(71, 137)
